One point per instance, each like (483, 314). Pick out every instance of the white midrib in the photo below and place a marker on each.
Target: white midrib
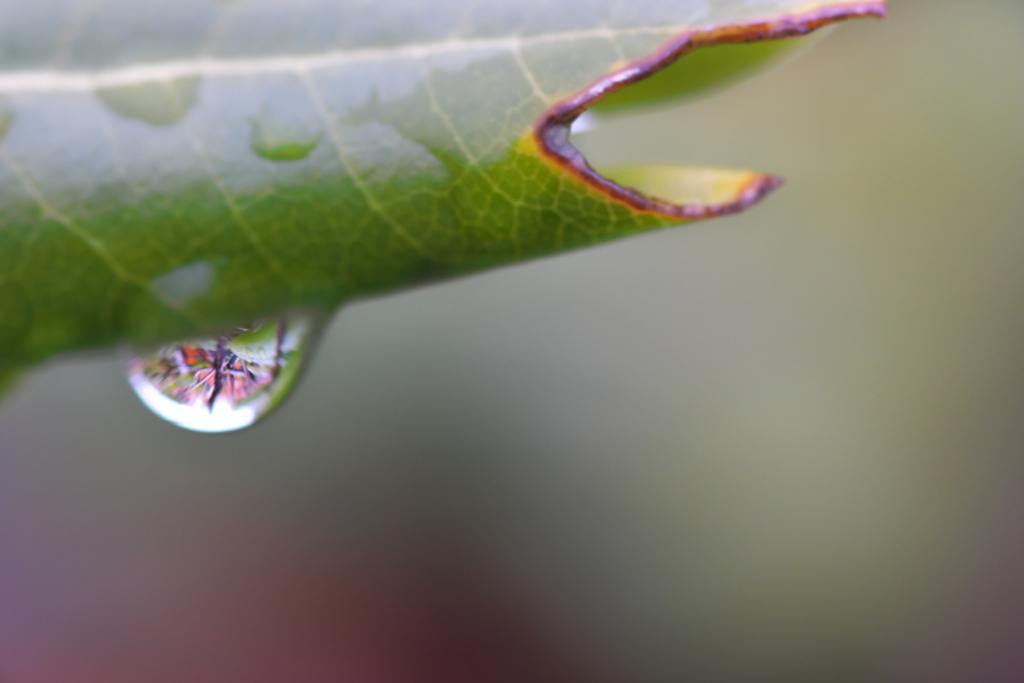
(73, 81)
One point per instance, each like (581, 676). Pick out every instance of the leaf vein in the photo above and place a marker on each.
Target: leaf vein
(52, 212)
(236, 212)
(45, 80)
(339, 146)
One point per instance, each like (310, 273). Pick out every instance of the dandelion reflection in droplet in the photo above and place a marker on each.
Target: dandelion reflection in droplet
(224, 383)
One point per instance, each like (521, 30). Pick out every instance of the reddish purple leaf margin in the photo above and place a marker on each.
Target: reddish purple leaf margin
(552, 131)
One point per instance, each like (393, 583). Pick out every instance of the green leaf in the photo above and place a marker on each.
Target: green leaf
(8, 378)
(173, 168)
(700, 71)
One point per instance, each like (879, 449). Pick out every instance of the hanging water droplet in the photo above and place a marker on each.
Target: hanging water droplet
(228, 382)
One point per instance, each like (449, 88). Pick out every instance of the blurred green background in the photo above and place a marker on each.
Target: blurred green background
(784, 446)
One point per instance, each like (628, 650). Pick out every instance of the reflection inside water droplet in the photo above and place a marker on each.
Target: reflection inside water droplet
(224, 383)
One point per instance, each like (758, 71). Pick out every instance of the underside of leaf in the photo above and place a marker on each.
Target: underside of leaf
(181, 171)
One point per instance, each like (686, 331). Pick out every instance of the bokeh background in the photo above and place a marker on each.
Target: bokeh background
(785, 446)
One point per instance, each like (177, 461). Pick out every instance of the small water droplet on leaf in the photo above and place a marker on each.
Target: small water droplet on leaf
(278, 141)
(225, 383)
(183, 285)
(158, 103)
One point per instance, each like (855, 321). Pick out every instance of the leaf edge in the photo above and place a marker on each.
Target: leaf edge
(551, 132)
